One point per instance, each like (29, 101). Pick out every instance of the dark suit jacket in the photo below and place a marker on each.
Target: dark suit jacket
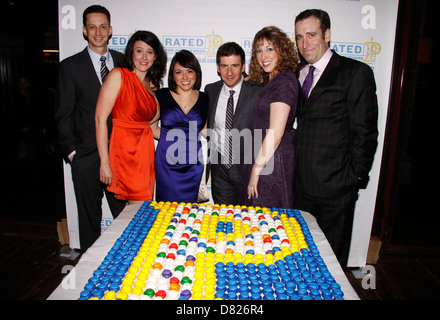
(77, 94)
(243, 116)
(336, 136)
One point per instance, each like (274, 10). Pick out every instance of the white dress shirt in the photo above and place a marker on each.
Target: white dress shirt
(97, 63)
(320, 66)
(220, 115)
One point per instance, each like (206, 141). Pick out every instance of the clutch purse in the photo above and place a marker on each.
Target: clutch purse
(203, 194)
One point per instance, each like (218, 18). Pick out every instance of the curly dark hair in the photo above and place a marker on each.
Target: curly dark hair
(158, 69)
(288, 55)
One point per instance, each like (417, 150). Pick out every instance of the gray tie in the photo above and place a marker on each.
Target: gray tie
(228, 126)
(104, 69)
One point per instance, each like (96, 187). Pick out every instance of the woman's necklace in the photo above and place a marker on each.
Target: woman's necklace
(188, 104)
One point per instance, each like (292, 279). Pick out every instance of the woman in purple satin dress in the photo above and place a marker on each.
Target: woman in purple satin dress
(183, 110)
(273, 64)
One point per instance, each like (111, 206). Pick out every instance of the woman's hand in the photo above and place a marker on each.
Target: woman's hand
(252, 188)
(106, 174)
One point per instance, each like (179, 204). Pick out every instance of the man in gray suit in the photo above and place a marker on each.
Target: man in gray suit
(79, 81)
(227, 178)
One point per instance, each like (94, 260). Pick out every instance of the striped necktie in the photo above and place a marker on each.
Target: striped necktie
(104, 69)
(228, 126)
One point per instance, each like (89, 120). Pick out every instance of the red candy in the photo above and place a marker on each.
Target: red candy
(161, 293)
(174, 280)
(171, 256)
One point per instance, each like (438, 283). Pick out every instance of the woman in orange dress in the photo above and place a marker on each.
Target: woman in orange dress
(127, 164)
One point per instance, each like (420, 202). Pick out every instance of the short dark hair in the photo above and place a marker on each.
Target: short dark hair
(187, 60)
(230, 49)
(322, 15)
(158, 69)
(95, 9)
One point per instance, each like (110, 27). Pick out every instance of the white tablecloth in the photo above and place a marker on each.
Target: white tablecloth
(74, 282)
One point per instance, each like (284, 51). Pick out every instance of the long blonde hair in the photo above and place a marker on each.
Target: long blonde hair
(288, 56)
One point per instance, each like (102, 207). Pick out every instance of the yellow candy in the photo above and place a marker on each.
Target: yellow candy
(229, 254)
(209, 296)
(197, 296)
(209, 266)
(199, 282)
(249, 256)
(133, 270)
(121, 295)
(259, 257)
(210, 289)
(110, 295)
(210, 256)
(127, 281)
(219, 257)
(143, 275)
(137, 291)
(139, 284)
(126, 289)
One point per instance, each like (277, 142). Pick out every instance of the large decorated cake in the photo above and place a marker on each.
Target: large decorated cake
(205, 252)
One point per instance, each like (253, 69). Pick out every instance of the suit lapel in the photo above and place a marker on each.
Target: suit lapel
(242, 99)
(116, 61)
(214, 102)
(244, 92)
(327, 78)
(88, 70)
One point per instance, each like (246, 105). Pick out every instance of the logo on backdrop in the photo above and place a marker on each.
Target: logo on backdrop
(119, 42)
(365, 52)
(105, 223)
(203, 47)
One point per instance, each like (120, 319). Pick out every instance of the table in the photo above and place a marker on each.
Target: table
(74, 282)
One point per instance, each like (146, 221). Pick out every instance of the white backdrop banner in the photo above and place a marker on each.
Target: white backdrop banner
(362, 30)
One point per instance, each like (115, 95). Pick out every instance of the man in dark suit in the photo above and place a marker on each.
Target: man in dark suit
(336, 135)
(79, 81)
(227, 174)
